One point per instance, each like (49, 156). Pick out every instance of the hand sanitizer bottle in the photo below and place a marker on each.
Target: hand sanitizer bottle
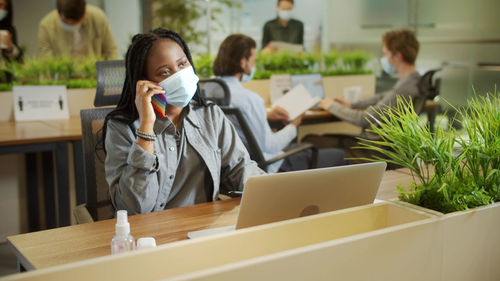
(123, 241)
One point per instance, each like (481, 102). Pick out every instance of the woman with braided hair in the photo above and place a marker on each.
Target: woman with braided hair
(166, 147)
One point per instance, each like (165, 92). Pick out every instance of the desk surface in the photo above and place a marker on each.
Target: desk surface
(79, 242)
(32, 132)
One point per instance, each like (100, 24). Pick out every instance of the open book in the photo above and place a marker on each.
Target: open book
(297, 101)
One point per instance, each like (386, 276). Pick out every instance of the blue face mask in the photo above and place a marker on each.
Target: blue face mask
(70, 28)
(387, 66)
(247, 77)
(3, 14)
(180, 87)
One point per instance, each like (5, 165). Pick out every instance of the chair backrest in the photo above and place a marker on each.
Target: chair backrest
(110, 79)
(236, 117)
(215, 90)
(99, 202)
(428, 88)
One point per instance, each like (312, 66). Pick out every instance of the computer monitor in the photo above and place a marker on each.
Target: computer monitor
(312, 82)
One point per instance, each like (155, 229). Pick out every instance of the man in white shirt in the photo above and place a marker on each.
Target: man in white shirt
(235, 63)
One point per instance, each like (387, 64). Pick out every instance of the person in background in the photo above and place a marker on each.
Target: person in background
(76, 29)
(283, 28)
(166, 147)
(400, 50)
(8, 34)
(235, 63)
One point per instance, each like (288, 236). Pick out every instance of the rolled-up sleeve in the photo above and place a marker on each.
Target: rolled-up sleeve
(131, 172)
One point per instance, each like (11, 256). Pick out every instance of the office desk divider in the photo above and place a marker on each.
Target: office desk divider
(376, 241)
(471, 242)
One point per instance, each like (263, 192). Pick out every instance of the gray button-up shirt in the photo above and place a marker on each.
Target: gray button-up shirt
(190, 165)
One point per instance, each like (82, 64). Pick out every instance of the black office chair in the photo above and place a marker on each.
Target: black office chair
(110, 79)
(248, 139)
(215, 90)
(99, 204)
(428, 87)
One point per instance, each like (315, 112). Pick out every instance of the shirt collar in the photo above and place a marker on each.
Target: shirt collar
(232, 80)
(161, 124)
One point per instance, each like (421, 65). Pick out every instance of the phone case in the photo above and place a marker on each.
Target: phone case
(159, 102)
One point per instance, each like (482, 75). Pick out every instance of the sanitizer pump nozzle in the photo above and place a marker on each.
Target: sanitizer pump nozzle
(123, 241)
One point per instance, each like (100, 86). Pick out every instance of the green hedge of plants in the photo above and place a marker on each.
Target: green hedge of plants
(329, 64)
(74, 73)
(81, 72)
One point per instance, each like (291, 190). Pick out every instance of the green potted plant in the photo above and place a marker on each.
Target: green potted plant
(457, 173)
(454, 170)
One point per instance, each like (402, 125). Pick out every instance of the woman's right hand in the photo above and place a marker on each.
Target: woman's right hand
(144, 91)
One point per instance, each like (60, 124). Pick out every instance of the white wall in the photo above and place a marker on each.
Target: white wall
(27, 15)
(125, 20)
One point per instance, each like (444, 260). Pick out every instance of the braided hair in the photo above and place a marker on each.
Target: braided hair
(137, 54)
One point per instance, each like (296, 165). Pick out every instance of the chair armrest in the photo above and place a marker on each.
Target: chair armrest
(235, 193)
(82, 215)
(290, 152)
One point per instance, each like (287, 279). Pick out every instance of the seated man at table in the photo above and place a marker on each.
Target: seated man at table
(400, 49)
(235, 63)
(76, 29)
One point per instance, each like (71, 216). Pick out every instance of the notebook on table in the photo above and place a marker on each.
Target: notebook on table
(276, 197)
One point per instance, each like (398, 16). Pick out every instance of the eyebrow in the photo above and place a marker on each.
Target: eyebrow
(179, 59)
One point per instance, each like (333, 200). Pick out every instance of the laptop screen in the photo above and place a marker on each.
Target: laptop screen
(312, 82)
(275, 197)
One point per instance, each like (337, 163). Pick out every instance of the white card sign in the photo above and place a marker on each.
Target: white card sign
(40, 103)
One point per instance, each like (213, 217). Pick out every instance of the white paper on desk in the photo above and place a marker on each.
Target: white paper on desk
(297, 101)
(40, 103)
(279, 85)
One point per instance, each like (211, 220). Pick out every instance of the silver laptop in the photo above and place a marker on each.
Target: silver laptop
(276, 197)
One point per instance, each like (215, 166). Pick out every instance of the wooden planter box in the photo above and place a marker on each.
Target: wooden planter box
(470, 239)
(77, 99)
(356, 242)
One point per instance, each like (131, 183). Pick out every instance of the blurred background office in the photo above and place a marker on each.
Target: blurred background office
(461, 37)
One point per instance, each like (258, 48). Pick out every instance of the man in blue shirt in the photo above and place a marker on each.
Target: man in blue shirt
(235, 63)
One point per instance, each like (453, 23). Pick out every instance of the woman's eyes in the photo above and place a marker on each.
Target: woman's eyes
(181, 65)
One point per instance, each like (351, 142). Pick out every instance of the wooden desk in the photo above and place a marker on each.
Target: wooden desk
(46, 137)
(75, 243)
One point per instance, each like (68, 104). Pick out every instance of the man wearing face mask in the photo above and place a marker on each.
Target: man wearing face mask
(400, 49)
(235, 63)
(76, 29)
(283, 28)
